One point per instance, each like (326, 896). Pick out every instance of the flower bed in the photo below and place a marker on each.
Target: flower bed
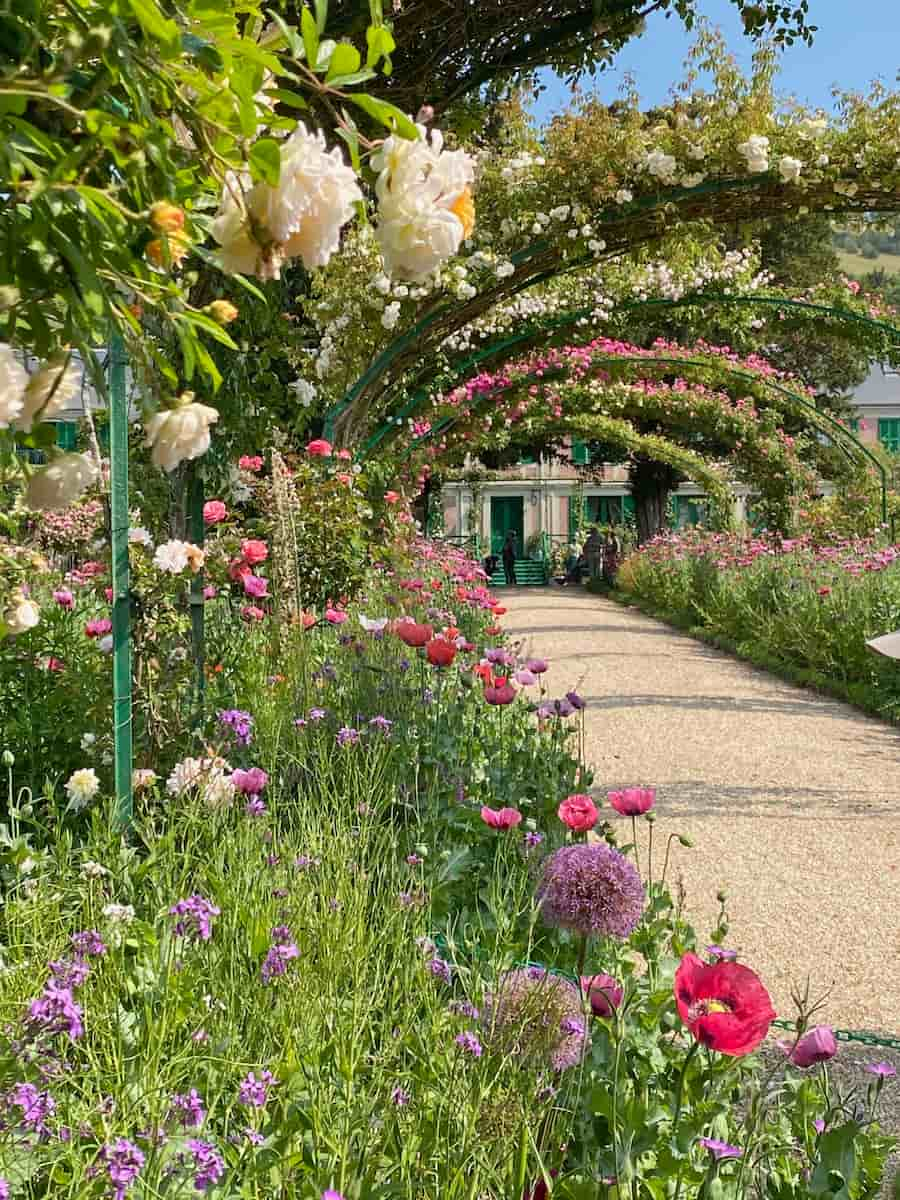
(791, 606)
(369, 936)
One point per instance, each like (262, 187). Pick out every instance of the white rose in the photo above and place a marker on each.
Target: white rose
(660, 164)
(139, 536)
(171, 557)
(624, 196)
(180, 433)
(789, 169)
(304, 391)
(425, 208)
(87, 740)
(82, 787)
(391, 315)
(561, 213)
(48, 391)
(22, 614)
(756, 152)
(61, 482)
(13, 380)
(300, 218)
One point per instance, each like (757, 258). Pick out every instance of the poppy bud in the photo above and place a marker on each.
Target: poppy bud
(166, 217)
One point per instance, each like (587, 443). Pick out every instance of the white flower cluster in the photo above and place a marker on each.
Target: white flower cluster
(43, 395)
(209, 777)
(521, 164)
(174, 556)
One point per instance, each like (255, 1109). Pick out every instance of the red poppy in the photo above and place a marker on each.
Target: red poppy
(412, 633)
(499, 691)
(724, 1004)
(498, 610)
(493, 630)
(440, 652)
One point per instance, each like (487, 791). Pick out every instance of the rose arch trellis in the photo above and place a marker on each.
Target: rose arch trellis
(625, 228)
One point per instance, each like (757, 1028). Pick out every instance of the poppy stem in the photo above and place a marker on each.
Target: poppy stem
(637, 857)
(677, 1114)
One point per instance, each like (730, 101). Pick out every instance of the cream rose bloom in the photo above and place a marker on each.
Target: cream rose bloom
(756, 152)
(789, 169)
(13, 380)
(48, 392)
(259, 226)
(180, 433)
(425, 205)
(82, 787)
(22, 614)
(61, 482)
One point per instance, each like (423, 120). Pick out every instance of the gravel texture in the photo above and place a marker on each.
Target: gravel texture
(792, 799)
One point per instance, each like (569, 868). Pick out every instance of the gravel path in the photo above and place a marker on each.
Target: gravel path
(792, 799)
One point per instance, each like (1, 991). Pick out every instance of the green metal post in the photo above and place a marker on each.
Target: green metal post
(121, 611)
(197, 533)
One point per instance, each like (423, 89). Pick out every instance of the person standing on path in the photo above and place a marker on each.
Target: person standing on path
(509, 558)
(612, 549)
(593, 552)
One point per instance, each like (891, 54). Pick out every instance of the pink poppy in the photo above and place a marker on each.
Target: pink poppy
(632, 802)
(500, 818)
(98, 628)
(251, 613)
(256, 586)
(335, 616)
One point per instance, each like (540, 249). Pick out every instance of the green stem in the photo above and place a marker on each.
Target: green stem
(677, 1114)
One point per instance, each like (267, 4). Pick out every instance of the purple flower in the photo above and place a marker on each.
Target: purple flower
(463, 1008)
(576, 701)
(123, 1164)
(277, 959)
(88, 944)
(555, 708)
(69, 973)
(36, 1106)
(533, 840)
(253, 1091)
(720, 1149)
(382, 723)
(414, 860)
(208, 1164)
(428, 696)
(537, 666)
(819, 1125)
(196, 915)
(251, 782)
(254, 807)
(331, 1194)
(589, 888)
(187, 1109)
(300, 722)
(500, 657)
(884, 1070)
(281, 935)
(254, 1138)
(347, 736)
(56, 1012)
(303, 862)
(400, 1097)
(440, 969)
(4, 1189)
(318, 714)
(240, 723)
(537, 1017)
(469, 1043)
(720, 954)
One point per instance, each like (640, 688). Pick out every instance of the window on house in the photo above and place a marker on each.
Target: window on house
(66, 434)
(889, 433)
(581, 454)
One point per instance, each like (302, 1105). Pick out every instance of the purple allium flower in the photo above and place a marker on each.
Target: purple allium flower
(36, 1106)
(88, 944)
(195, 915)
(277, 959)
(253, 1091)
(576, 701)
(251, 782)
(123, 1164)
(347, 736)
(209, 1166)
(533, 840)
(187, 1109)
(720, 1149)
(69, 973)
(538, 1017)
(469, 1043)
(318, 714)
(589, 888)
(884, 1070)
(721, 954)
(254, 807)
(400, 1097)
(440, 969)
(463, 1008)
(56, 1012)
(382, 723)
(240, 723)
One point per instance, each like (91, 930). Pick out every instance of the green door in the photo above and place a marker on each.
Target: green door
(507, 512)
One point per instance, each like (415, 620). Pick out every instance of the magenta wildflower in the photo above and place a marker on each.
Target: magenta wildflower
(255, 807)
(533, 840)
(209, 1166)
(347, 736)
(400, 1097)
(250, 782)
(883, 1070)
(318, 714)
(463, 1008)
(589, 888)
(123, 1164)
(254, 1138)
(720, 1149)
(195, 915)
(56, 1012)
(253, 1091)
(440, 969)
(469, 1043)
(187, 1109)
(331, 1194)
(721, 954)
(277, 959)
(414, 860)
(303, 862)
(4, 1189)
(36, 1106)
(239, 723)
(88, 944)
(382, 723)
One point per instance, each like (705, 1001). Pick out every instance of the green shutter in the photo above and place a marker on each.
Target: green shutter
(526, 460)
(581, 455)
(889, 433)
(66, 435)
(628, 506)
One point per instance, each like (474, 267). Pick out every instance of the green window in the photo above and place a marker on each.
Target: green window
(526, 460)
(853, 424)
(889, 433)
(66, 434)
(581, 455)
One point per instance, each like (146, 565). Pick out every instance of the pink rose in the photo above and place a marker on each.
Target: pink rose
(254, 551)
(579, 812)
(319, 448)
(256, 586)
(500, 818)
(214, 511)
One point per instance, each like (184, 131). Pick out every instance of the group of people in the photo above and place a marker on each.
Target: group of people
(599, 556)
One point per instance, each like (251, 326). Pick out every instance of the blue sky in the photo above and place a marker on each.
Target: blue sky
(858, 40)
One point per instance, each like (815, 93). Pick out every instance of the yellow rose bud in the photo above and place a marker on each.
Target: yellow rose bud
(223, 312)
(166, 217)
(464, 210)
(178, 245)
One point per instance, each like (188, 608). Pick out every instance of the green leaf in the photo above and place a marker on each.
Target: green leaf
(203, 51)
(356, 77)
(321, 15)
(387, 114)
(289, 34)
(265, 161)
(310, 36)
(291, 99)
(326, 49)
(380, 44)
(344, 61)
(351, 137)
(207, 365)
(204, 322)
(156, 25)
